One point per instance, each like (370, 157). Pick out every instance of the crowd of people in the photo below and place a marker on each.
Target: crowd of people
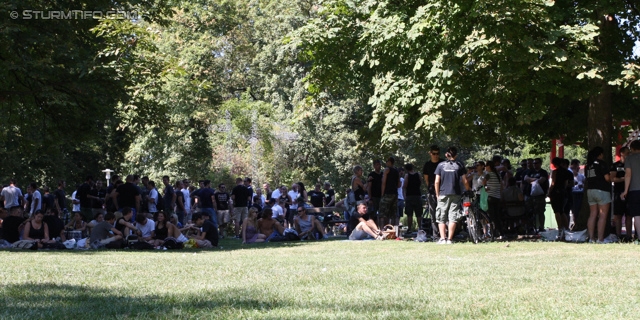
(182, 214)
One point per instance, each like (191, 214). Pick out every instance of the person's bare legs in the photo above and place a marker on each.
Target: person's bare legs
(410, 222)
(319, 227)
(452, 229)
(617, 221)
(372, 226)
(366, 228)
(591, 222)
(443, 230)
(628, 222)
(261, 237)
(602, 220)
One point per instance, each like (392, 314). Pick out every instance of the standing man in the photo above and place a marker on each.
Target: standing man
(448, 192)
(222, 205)
(538, 202)
(247, 183)
(577, 191)
(240, 196)
(180, 202)
(61, 202)
(374, 189)
(428, 172)
(187, 198)
(266, 190)
(127, 196)
(316, 196)
(632, 184)
(97, 195)
(619, 205)
(12, 196)
(389, 201)
(205, 197)
(36, 198)
(83, 195)
(169, 196)
(330, 195)
(152, 199)
(48, 200)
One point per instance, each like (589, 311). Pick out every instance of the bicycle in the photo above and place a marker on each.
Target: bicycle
(479, 226)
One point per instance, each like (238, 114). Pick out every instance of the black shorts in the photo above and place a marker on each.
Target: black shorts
(619, 206)
(633, 203)
(558, 201)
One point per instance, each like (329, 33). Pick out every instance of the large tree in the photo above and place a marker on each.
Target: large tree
(479, 70)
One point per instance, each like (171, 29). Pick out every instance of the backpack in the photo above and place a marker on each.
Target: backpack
(141, 245)
(25, 244)
(172, 243)
(160, 204)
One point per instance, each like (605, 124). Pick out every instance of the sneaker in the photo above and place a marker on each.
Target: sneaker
(448, 242)
(443, 241)
(380, 237)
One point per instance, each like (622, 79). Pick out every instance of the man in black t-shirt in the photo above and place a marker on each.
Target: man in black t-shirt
(241, 197)
(374, 189)
(428, 172)
(619, 205)
(127, 195)
(85, 202)
(12, 226)
(316, 196)
(537, 202)
(61, 201)
(97, 195)
(169, 196)
(330, 195)
(448, 192)
(221, 205)
(389, 202)
(48, 201)
(205, 196)
(208, 235)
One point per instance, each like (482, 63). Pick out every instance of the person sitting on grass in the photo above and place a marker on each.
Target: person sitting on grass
(361, 225)
(124, 224)
(104, 233)
(307, 225)
(176, 233)
(208, 235)
(175, 222)
(161, 230)
(250, 232)
(77, 224)
(268, 226)
(97, 218)
(37, 230)
(145, 227)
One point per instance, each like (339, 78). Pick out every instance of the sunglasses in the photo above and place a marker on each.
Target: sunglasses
(435, 153)
(301, 210)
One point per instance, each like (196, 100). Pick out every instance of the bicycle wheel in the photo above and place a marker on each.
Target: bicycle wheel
(472, 226)
(486, 226)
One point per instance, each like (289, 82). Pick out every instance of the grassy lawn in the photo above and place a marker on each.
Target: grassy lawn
(326, 280)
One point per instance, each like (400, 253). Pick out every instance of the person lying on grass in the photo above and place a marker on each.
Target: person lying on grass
(268, 226)
(208, 235)
(104, 232)
(307, 225)
(250, 232)
(361, 225)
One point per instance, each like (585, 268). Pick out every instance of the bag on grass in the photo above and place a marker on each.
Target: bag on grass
(484, 200)
(576, 236)
(25, 244)
(422, 236)
(172, 243)
(141, 245)
(389, 232)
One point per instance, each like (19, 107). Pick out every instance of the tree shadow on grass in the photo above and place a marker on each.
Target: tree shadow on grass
(223, 245)
(54, 301)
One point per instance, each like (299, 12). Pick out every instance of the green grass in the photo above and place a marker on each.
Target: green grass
(326, 280)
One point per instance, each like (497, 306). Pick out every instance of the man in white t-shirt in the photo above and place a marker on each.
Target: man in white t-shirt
(276, 193)
(293, 207)
(145, 227)
(278, 211)
(36, 198)
(152, 198)
(11, 195)
(187, 197)
(400, 195)
(75, 201)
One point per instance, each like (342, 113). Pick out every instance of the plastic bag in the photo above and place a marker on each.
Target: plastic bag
(550, 235)
(484, 200)
(576, 236)
(422, 236)
(536, 189)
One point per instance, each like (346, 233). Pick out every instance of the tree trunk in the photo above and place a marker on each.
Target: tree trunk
(599, 128)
